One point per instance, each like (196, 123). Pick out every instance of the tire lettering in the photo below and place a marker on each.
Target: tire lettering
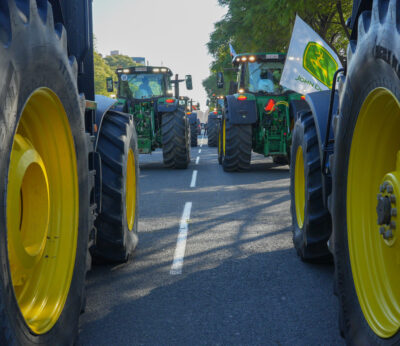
(386, 55)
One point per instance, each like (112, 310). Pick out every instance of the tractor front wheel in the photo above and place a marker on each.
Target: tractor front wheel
(117, 224)
(310, 219)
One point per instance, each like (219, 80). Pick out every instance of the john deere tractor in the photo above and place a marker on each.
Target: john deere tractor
(345, 177)
(214, 120)
(145, 92)
(256, 117)
(69, 171)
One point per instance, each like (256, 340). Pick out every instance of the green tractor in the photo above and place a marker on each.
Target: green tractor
(214, 119)
(257, 116)
(146, 93)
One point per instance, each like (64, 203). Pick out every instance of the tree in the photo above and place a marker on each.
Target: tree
(119, 61)
(101, 72)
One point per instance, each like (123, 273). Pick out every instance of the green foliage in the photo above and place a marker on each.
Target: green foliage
(119, 61)
(105, 67)
(101, 72)
(266, 26)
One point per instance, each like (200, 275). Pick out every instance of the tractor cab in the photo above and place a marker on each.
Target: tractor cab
(260, 73)
(144, 82)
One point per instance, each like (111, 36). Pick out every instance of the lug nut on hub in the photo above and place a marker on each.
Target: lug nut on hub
(388, 235)
(386, 211)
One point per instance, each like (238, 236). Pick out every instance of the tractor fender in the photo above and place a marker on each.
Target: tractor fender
(240, 112)
(104, 104)
(319, 105)
(296, 107)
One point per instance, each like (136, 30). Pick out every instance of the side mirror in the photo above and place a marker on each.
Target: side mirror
(110, 84)
(220, 80)
(198, 106)
(189, 83)
(208, 102)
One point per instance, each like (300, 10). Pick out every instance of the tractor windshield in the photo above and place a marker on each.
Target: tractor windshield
(264, 77)
(142, 86)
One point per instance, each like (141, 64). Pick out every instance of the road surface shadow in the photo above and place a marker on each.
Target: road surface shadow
(263, 299)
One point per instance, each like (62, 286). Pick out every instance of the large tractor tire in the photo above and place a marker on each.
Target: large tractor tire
(175, 139)
(45, 217)
(193, 135)
(311, 221)
(366, 176)
(212, 130)
(235, 146)
(117, 224)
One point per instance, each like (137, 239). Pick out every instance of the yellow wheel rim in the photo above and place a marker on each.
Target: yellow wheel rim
(42, 211)
(130, 202)
(299, 187)
(373, 192)
(223, 136)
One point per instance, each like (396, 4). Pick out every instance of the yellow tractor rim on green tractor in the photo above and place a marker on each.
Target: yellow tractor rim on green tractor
(373, 195)
(299, 187)
(42, 210)
(130, 202)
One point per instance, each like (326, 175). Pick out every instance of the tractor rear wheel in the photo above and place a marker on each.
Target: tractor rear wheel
(117, 224)
(236, 146)
(175, 139)
(212, 130)
(45, 214)
(366, 190)
(311, 220)
(193, 135)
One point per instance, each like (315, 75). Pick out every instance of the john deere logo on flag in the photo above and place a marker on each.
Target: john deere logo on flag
(319, 63)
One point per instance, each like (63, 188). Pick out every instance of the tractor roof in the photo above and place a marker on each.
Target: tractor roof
(144, 69)
(252, 57)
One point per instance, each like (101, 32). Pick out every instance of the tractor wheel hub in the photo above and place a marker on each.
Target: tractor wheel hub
(383, 210)
(386, 208)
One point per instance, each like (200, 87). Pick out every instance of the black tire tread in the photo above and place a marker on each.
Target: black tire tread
(175, 139)
(238, 146)
(193, 135)
(212, 130)
(310, 242)
(113, 245)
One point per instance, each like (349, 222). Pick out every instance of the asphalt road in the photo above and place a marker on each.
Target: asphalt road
(241, 282)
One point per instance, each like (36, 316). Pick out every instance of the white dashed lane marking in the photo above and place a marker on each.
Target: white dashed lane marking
(179, 255)
(194, 177)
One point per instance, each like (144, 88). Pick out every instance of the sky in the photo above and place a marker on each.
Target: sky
(173, 33)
